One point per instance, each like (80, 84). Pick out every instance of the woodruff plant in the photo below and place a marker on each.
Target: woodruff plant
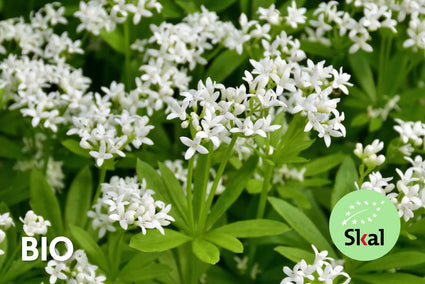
(208, 141)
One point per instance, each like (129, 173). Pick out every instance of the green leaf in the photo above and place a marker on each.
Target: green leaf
(289, 191)
(224, 65)
(19, 268)
(9, 149)
(74, 147)
(323, 164)
(363, 73)
(155, 182)
(206, 251)
(395, 260)
(299, 221)
(79, 197)
(218, 5)
(170, 9)
(187, 5)
(344, 180)
(225, 241)
(86, 242)
(360, 120)
(316, 48)
(244, 6)
(43, 201)
(295, 254)
(293, 142)
(155, 241)
(375, 124)
(174, 189)
(253, 228)
(143, 267)
(390, 278)
(254, 186)
(115, 40)
(233, 190)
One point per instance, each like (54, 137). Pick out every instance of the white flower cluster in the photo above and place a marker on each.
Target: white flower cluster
(35, 148)
(327, 19)
(41, 90)
(272, 15)
(96, 15)
(75, 270)
(378, 183)
(410, 195)
(325, 269)
(368, 154)
(384, 111)
(128, 202)
(412, 134)
(175, 47)
(285, 172)
(411, 11)
(181, 46)
(5, 222)
(34, 224)
(108, 124)
(37, 37)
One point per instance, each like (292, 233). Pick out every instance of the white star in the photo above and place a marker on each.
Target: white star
(358, 203)
(344, 223)
(374, 215)
(377, 209)
(374, 203)
(382, 202)
(370, 220)
(362, 221)
(351, 207)
(354, 221)
(347, 214)
(366, 203)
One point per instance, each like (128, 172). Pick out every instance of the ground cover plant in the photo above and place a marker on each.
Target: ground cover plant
(188, 141)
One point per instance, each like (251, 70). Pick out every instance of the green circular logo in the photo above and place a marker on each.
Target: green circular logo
(364, 225)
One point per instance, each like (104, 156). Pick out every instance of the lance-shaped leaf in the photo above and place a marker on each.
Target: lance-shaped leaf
(155, 241)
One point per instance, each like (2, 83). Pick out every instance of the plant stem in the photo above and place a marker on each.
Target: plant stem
(264, 192)
(206, 208)
(127, 54)
(205, 182)
(189, 193)
(102, 174)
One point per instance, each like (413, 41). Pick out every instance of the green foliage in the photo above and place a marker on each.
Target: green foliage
(44, 202)
(79, 198)
(301, 224)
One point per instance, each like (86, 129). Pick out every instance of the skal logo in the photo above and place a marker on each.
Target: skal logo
(29, 244)
(364, 225)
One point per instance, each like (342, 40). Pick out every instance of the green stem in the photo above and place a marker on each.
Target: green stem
(189, 193)
(206, 208)
(102, 174)
(205, 181)
(127, 54)
(268, 171)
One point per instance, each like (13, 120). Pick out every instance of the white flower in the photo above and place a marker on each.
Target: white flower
(6, 221)
(271, 15)
(34, 224)
(2, 237)
(55, 269)
(368, 155)
(129, 203)
(194, 146)
(295, 15)
(101, 155)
